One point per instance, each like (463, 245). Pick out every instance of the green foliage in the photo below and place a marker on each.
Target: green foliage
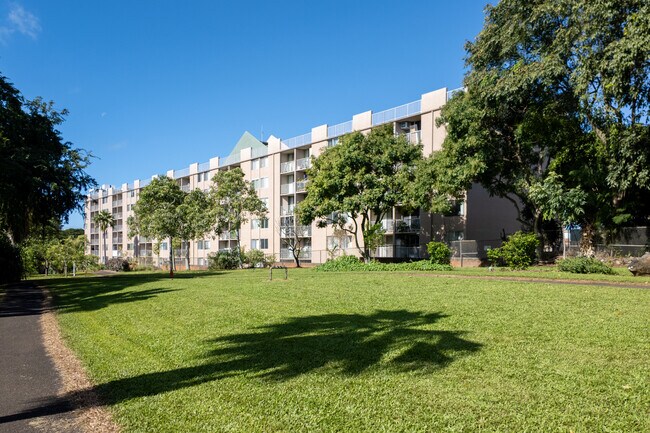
(555, 114)
(222, 260)
(584, 265)
(104, 219)
(118, 264)
(358, 181)
(42, 177)
(352, 263)
(518, 252)
(256, 258)
(439, 253)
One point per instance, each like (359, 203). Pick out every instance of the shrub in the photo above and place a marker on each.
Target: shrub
(224, 260)
(518, 252)
(584, 265)
(255, 258)
(439, 253)
(352, 263)
(118, 264)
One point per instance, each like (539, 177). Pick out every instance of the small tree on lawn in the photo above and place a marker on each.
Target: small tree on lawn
(293, 237)
(355, 183)
(156, 214)
(104, 219)
(233, 202)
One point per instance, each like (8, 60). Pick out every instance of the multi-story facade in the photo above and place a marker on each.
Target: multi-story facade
(277, 170)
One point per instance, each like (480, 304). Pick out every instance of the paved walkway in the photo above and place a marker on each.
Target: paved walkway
(28, 379)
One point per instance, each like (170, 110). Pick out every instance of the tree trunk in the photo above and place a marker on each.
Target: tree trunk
(171, 258)
(587, 240)
(104, 236)
(537, 229)
(187, 255)
(296, 258)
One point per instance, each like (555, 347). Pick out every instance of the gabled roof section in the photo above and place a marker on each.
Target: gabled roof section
(246, 140)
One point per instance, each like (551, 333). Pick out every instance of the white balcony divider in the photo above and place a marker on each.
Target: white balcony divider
(288, 188)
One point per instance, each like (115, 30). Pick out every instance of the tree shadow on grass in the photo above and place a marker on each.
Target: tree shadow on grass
(345, 344)
(96, 292)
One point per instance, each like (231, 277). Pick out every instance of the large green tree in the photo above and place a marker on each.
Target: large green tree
(157, 213)
(104, 219)
(196, 219)
(555, 88)
(354, 184)
(233, 202)
(41, 176)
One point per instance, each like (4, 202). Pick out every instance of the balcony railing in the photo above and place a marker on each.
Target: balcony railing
(387, 225)
(340, 129)
(227, 236)
(229, 160)
(287, 167)
(299, 231)
(399, 252)
(300, 140)
(117, 203)
(259, 151)
(407, 225)
(303, 163)
(392, 114)
(301, 186)
(451, 93)
(181, 173)
(94, 207)
(117, 215)
(204, 166)
(287, 188)
(185, 188)
(286, 254)
(287, 210)
(118, 228)
(413, 137)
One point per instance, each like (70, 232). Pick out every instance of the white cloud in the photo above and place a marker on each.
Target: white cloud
(19, 20)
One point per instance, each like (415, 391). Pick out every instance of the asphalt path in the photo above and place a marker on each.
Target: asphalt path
(29, 381)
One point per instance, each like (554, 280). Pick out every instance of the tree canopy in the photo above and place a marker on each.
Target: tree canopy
(558, 98)
(41, 176)
(359, 181)
(234, 201)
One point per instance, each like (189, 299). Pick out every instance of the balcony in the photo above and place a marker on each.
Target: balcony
(227, 236)
(413, 137)
(117, 203)
(94, 207)
(118, 228)
(287, 210)
(287, 188)
(185, 188)
(387, 225)
(286, 254)
(407, 225)
(287, 167)
(303, 163)
(117, 215)
(291, 231)
(399, 252)
(301, 186)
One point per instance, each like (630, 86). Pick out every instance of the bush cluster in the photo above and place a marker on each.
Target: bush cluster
(584, 265)
(118, 264)
(518, 252)
(225, 260)
(352, 263)
(439, 253)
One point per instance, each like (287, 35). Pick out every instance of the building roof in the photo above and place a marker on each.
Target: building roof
(246, 140)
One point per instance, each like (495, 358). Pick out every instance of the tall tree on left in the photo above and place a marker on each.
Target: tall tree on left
(158, 213)
(41, 176)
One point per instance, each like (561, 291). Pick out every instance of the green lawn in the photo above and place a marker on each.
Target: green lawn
(377, 352)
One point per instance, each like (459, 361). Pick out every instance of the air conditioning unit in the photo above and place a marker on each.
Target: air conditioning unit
(404, 125)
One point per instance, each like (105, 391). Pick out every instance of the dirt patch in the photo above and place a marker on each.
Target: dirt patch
(90, 414)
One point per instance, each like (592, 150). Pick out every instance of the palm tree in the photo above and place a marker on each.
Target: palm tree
(104, 220)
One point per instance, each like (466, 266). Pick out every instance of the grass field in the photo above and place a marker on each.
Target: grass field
(380, 352)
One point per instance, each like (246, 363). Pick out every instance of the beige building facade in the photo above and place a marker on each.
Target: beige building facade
(277, 170)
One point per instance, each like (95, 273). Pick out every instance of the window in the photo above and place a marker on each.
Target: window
(265, 200)
(264, 244)
(260, 183)
(260, 223)
(104, 200)
(199, 245)
(259, 244)
(133, 193)
(129, 247)
(333, 141)
(163, 246)
(255, 244)
(206, 244)
(263, 162)
(338, 242)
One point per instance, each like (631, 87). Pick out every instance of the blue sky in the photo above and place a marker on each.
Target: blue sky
(156, 85)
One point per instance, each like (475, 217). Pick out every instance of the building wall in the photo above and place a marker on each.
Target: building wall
(417, 120)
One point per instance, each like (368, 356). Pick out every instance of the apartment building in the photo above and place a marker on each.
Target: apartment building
(277, 170)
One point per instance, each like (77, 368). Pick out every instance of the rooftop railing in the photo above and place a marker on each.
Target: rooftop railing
(339, 129)
(144, 183)
(181, 173)
(392, 114)
(259, 152)
(204, 166)
(452, 92)
(229, 160)
(298, 141)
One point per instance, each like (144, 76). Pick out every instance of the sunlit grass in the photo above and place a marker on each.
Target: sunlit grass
(360, 352)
